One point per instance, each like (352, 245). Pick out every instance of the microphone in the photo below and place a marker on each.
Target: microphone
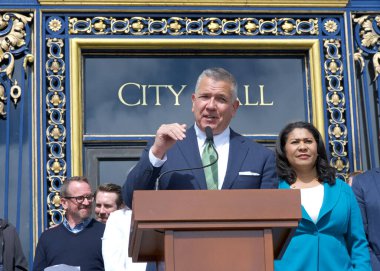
(209, 135)
(210, 139)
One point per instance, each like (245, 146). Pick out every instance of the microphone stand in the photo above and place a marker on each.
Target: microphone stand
(209, 138)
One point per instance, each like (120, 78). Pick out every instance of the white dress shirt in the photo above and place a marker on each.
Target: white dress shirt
(115, 243)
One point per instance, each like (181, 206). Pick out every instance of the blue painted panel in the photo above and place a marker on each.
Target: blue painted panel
(18, 2)
(365, 3)
(15, 153)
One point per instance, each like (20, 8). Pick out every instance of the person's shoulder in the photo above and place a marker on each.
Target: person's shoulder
(367, 174)
(343, 186)
(366, 179)
(340, 183)
(250, 142)
(52, 233)
(124, 213)
(283, 184)
(54, 229)
(3, 224)
(7, 227)
(120, 218)
(96, 225)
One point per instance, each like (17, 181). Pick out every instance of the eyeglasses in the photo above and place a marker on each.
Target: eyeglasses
(80, 199)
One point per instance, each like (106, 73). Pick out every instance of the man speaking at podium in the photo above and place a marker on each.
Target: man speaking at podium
(203, 158)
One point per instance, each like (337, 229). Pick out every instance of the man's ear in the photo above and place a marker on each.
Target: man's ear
(64, 203)
(235, 106)
(192, 102)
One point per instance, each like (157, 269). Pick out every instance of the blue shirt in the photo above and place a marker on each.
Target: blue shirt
(77, 228)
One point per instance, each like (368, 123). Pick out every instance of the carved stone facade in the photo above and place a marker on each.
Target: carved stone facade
(35, 60)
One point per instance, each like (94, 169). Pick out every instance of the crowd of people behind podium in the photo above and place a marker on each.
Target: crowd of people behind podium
(340, 225)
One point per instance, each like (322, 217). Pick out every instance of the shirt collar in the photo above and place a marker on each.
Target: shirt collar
(218, 139)
(77, 228)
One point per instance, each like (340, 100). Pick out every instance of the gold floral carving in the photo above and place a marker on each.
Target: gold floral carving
(29, 58)
(56, 200)
(358, 57)
(337, 131)
(56, 166)
(15, 37)
(369, 39)
(339, 165)
(331, 26)
(187, 26)
(12, 40)
(56, 133)
(2, 100)
(287, 27)
(376, 64)
(55, 25)
(368, 34)
(15, 92)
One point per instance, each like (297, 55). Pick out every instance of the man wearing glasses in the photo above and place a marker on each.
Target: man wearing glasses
(77, 241)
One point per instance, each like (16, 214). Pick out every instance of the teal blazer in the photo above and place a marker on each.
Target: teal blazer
(335, 242)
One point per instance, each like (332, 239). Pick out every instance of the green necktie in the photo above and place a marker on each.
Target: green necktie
(211, 172)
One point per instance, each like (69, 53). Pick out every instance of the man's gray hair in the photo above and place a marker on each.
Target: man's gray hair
(219, 74)
(67, 182)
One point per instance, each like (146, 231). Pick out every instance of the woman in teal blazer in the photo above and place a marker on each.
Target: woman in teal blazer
(330, 235)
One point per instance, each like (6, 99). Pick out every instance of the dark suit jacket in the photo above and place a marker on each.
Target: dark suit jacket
(366, 187)
(244, 156)
(10, 247)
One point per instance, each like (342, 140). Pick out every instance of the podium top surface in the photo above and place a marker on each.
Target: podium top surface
(216, 205)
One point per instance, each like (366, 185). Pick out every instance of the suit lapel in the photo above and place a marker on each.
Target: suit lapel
(190, 153)
(330, 198)
(236, 156)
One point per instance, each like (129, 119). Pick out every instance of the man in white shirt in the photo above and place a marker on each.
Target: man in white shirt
(107, 200)
(115, 243)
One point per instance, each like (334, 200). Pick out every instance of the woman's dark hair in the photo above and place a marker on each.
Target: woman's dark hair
(326, 173)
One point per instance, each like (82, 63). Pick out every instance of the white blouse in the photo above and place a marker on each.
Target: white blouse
(312, 199)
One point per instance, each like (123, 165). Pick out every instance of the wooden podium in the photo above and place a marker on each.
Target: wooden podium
(207, 230)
